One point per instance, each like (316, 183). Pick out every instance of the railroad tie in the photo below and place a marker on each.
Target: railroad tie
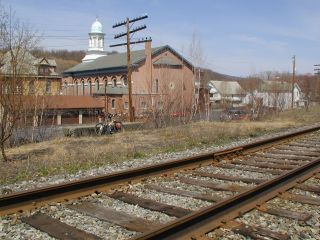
(110, 215)
(277, 161)
(308, 188)
(285, 213)
(249, 168)
(150, 204)
(263, 165)
(184, 193)
(256, 232)
(288, 157)
(57, 229)
(295, 153)
(214, 186)
(229, 178)
(300, 198)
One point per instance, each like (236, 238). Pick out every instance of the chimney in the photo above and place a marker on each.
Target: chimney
(148, 64)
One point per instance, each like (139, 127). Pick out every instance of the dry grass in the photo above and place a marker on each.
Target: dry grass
(69, 155)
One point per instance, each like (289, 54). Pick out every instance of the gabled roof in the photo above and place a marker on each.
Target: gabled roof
(27, 64)
(167, 61)
(276, 86)
(46, 61)
(117, 62)
(226, 87)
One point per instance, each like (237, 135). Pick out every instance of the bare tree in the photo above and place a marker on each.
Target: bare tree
(197, 59)
(16, 39)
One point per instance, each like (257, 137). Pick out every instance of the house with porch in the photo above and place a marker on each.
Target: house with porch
(226, 92)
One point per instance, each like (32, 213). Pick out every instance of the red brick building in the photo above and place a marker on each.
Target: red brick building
(161, 79)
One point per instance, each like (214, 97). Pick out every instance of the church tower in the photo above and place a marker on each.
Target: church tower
(96, 43)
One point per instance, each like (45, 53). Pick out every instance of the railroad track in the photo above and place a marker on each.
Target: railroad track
(208, 196)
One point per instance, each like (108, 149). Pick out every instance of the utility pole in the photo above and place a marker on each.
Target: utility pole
(293, 78)
(128, 35)
(317, 69)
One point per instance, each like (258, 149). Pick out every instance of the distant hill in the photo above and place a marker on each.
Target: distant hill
(208, 74)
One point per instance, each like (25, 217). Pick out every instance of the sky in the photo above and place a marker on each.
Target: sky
(238, 37)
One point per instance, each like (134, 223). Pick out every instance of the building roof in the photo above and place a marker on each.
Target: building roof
(117, 62)
(226, 87)
(27, 64)
(168, 61)
(275, 86)
(73, 102)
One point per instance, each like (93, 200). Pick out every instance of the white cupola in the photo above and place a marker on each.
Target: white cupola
(96, 42)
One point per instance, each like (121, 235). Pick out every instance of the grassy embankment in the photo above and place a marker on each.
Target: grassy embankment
(69, 155)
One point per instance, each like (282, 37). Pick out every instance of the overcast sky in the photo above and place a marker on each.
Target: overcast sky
(238, 37)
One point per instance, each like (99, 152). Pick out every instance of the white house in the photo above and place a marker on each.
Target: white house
(229, 91)
(276, 94)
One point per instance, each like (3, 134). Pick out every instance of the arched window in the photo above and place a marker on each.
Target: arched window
(114, 82)
(113, 104)
(48, 86)
(156, 86)
(97, 85)
(105, 83)
(77, 88)
(65, 88)
(125, 80)
(31, 87)
(83, 88)
(90, 87)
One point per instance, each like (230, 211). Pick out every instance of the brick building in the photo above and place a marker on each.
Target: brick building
(161, 79)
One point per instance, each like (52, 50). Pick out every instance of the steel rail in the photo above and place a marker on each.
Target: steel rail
(195, 225)
(29, 199)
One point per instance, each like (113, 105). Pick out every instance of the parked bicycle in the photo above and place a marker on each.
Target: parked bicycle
(109, 126)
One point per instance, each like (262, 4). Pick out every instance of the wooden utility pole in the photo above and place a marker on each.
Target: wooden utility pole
(317, 69)
(293, 79)
(131, 112)
(128, 43)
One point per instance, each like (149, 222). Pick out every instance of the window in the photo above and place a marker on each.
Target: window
(83, 88)
(125, 80)
(48, 86)
(31, 87)
(160, 105)
(126, 105)
(156, 86)
(114, 82)
(113, 104)
(143, 105)
(66, 88)
(77, 88)
(97, 85)
(90, 88)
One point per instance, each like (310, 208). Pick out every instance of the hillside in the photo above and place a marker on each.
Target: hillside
(208, 74)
